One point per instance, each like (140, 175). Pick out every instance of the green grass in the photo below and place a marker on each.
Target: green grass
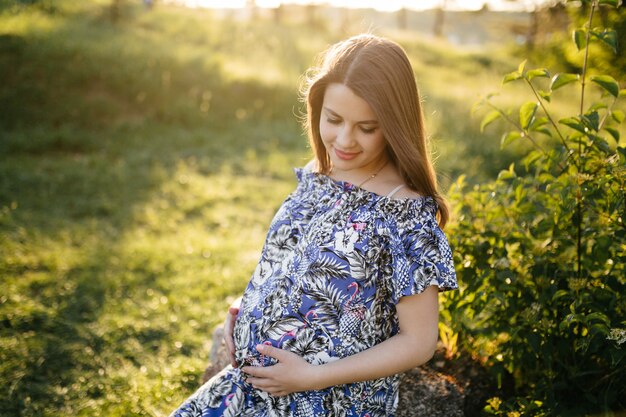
(140, 165)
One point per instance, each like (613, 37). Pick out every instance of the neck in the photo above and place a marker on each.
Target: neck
(362, 176)
(374, 174)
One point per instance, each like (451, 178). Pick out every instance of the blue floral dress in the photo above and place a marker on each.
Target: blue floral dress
(336, 261)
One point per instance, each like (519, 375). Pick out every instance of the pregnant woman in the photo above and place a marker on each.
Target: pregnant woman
(344, 297)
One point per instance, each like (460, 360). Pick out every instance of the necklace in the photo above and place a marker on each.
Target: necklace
(371, 177)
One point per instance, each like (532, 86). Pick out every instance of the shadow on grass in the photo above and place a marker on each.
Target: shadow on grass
(111, 136)
(91, 136)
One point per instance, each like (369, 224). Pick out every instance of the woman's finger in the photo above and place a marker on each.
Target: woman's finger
(229, 326)
(264, 383)
(258, 371)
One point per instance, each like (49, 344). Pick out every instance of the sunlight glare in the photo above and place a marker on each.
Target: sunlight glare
(388, 5)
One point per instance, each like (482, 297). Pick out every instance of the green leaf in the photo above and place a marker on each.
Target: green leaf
(574, 123)
(569, 320)
(597, 106)
(506, 174)
(600, 143)
(544, 130)
(599, 329)
(603, 145)
(527, 114)
(539, 72)
(608, 36)
(591, 120)
(509, 137)
(512, 76)
(540, 121)
(521, 66)
(597, 316)
(546, 95)
(477, 105)
(559, 80)
(577, 138)
(560, 294)
(608, 83)
(538, 126)
(613, 132)
(580, 38)
(618, 116)
(614, 3)
(489, 118)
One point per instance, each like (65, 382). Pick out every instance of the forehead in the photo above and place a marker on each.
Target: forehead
(340, 99)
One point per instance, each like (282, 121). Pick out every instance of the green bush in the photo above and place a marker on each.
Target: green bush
(541, 251)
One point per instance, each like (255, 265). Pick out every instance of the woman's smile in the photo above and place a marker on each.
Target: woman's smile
(346, 156)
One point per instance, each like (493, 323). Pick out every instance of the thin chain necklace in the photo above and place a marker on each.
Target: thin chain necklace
(371, 177)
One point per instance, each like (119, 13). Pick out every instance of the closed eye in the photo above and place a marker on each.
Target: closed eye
(368, 130)
(333, 121)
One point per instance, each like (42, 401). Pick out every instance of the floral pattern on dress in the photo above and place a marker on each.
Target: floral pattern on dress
(336, 261)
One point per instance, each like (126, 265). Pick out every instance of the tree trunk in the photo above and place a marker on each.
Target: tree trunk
(115, 10)
(439, 21)
(402, 18)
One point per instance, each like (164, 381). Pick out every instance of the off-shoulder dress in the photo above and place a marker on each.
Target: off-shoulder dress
(336, 261)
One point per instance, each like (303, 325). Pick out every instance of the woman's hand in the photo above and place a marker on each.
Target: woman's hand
(229, 326)
(290, 374)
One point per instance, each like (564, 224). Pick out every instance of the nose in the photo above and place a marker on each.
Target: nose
(344, 137)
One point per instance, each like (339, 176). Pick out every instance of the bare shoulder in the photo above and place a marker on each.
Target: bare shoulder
(311, 165)
(394, 186)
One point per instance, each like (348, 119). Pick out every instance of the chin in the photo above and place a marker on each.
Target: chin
(344, 165)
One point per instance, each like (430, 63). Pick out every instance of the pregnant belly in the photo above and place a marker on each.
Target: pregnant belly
(290, 333)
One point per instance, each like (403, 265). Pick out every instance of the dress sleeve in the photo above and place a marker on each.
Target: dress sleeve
(420, 257)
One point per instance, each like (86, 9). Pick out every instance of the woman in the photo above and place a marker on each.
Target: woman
(345, 294)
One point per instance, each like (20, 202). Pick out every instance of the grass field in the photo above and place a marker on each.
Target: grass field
(140, 164)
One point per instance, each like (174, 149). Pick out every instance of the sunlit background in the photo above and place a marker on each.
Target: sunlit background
(145, 146)
(390, 5)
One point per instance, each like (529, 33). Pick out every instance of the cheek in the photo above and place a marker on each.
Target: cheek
(376, 143)
(326, 131)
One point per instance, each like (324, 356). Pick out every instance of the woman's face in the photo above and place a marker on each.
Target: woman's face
(350, 132)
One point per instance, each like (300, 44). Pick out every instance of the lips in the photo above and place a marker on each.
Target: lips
(346, 156)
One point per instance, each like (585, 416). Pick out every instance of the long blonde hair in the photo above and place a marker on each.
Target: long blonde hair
(377, 70)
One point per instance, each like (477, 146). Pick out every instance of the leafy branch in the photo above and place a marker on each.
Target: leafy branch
(585, 125)
(544, 249)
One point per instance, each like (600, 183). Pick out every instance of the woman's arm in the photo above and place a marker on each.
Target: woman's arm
(229, 326)
(414, 345)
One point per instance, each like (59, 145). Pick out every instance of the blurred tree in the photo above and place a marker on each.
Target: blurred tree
(278, 13)
(545, 18)
(311, 13)
(402, 18)
(439, 19)
(115, 10)
(252, 8)
(533, 27)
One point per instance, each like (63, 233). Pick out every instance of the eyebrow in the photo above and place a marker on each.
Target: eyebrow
(365, 122)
